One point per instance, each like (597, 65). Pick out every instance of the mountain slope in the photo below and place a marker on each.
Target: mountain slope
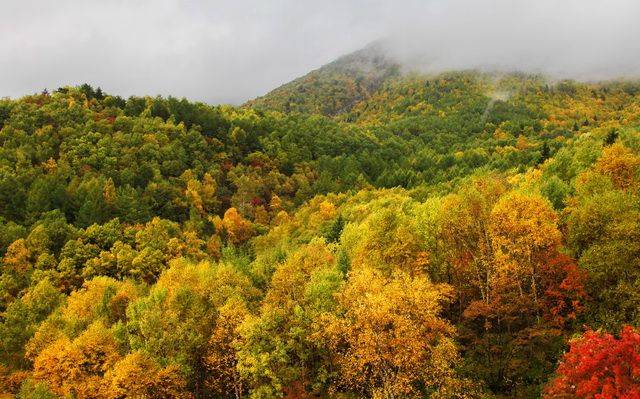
(457, 229)
(334, 88)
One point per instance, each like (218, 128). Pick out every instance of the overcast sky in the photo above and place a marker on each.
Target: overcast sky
(228, 51)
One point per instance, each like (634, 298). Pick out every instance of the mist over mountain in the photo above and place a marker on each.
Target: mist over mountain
(232, 52)
(585, 40)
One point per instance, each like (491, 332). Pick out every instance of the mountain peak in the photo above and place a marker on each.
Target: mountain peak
(370, 59)
(335, 87)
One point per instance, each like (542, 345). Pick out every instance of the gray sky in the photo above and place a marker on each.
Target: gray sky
(230, 51)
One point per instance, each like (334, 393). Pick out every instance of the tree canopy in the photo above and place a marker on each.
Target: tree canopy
(383, 235)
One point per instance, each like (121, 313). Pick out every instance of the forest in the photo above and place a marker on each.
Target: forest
(353, 234)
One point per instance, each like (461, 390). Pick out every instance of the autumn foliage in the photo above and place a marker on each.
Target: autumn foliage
(391, 339)
(394, 236)
(599, 365)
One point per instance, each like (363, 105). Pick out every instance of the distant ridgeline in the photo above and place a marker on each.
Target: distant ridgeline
(358, 232)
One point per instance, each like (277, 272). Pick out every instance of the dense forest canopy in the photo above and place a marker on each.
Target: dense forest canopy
(359, 232)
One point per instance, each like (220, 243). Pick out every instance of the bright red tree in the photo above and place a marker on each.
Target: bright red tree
(600, 366)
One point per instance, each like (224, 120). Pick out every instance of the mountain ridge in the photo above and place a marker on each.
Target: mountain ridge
(334, 88)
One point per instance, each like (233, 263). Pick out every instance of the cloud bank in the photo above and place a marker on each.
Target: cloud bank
(222, 51)
(587, 40)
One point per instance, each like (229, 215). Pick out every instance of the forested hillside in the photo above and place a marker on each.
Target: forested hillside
(336, 87)
(356, 233)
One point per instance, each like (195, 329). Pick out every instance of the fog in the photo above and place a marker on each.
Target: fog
(222, 51)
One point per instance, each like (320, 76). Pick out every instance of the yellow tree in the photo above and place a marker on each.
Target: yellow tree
(531, 291)
(467, 242)
(387, 238)
(109, 193)
(221, 360)
(620, 164)
(208, 191)
(18, 257)
(175, 322)
(137, 375)
(201, 194)
(524, 233)
(238, 230)
(278, 354)
(388, 340)
(192, 192)
(16, 264)
(76, 367)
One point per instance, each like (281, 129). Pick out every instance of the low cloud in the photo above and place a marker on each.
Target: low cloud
(231, 51)
(587, 40)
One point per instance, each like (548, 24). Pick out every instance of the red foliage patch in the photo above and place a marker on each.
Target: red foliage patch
(600, 366)
(563, 285)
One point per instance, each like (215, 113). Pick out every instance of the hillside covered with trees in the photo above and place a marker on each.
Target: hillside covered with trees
(358, 233)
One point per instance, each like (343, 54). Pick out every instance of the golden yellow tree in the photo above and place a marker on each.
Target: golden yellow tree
(620, 164)
(467, 242)
(220, 359)
(17, 258)
(75, 367)
(523, 232)
(238, 230)
(388, 339)
(138, 376)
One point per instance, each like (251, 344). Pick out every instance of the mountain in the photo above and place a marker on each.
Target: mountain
(359, 232)
(334, 88)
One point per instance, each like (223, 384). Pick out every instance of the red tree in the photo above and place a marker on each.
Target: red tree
(600, 366)
(563, 294)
